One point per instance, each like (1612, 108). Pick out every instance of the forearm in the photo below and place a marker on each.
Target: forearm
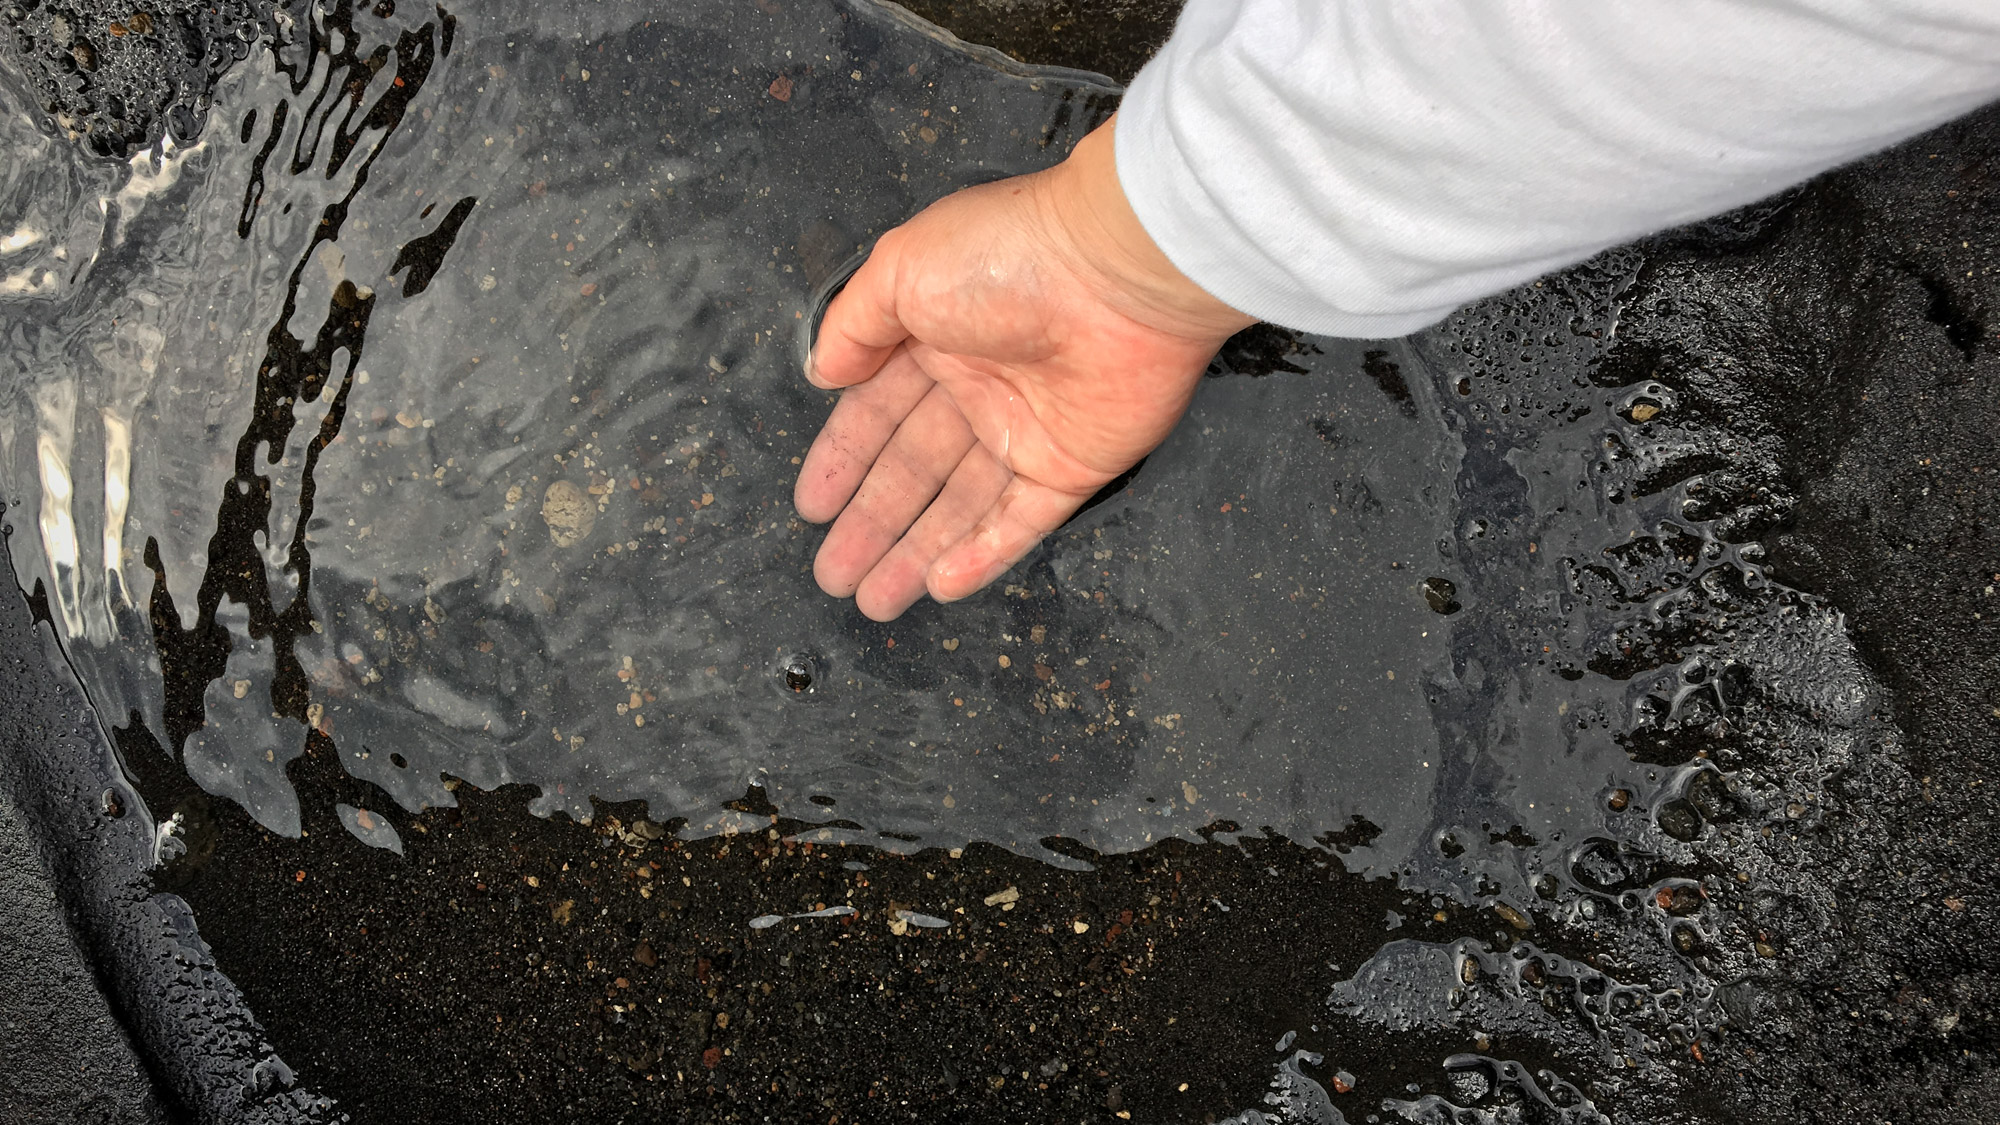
(1362, 168)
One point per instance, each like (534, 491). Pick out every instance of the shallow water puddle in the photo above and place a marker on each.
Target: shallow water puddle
(458, 422)
(442, 399)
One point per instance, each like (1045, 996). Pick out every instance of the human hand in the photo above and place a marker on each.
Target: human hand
(1007, 352)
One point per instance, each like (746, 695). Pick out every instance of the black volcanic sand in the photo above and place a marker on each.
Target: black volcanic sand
(515, 968)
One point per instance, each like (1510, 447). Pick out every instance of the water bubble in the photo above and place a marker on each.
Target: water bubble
(799, 672)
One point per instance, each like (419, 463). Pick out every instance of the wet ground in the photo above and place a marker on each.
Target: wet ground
(1719, 561)
(1114, 37)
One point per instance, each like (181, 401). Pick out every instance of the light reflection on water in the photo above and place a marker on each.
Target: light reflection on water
(467, 412)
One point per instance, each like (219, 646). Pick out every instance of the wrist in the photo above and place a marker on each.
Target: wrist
(1104, 241)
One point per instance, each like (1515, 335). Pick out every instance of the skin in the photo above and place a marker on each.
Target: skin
(1003, 355)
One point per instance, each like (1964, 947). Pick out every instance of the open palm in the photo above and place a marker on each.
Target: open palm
(1001, 368)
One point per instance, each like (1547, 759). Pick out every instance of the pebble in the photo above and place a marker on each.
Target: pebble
(569, 515)
(1441, 595)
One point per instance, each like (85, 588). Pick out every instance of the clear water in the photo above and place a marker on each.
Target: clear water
(526, 518)
(442, 398)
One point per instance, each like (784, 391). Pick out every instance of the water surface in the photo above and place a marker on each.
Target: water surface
(440, 400)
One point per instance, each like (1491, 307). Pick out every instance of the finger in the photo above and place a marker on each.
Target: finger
(899, 579)
(1024, 514)
(860, 328)
(855, 433)
(902, 483)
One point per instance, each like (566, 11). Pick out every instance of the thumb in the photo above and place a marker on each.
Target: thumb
(861, 328)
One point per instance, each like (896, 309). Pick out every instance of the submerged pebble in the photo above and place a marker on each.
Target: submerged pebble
(568, 512)
(370, 828)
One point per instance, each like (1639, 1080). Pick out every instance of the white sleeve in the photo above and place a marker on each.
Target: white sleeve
(1363, 167)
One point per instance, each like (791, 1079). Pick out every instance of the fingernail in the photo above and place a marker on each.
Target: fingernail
(812, 370)
(944, 575)
(938, 576)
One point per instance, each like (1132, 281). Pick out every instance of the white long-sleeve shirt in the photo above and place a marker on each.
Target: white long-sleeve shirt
(1363, 167)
